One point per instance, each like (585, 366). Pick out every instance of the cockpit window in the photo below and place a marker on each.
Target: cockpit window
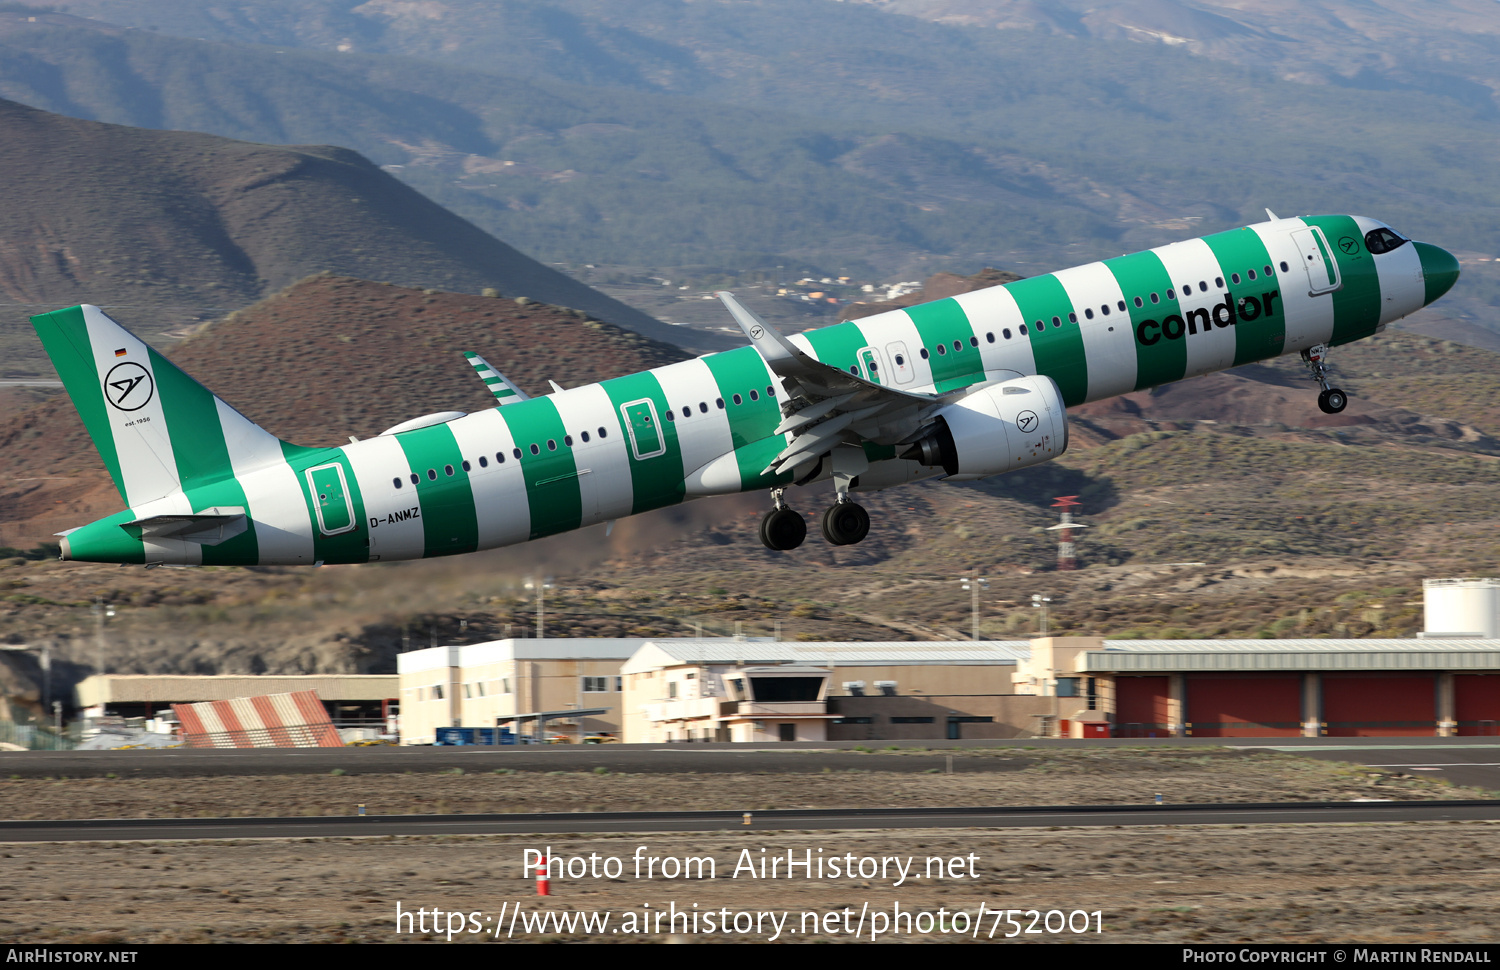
(1382, 240)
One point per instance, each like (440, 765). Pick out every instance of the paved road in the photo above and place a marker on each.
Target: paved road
(1474, 761)
(875, 818)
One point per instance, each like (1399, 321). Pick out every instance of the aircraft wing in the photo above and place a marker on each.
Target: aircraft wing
(504, 389)
(827, 406)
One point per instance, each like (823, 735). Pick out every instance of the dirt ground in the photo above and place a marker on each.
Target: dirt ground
(1412, 882)
(1406, 883)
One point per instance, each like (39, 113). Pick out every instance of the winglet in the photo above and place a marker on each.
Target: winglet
(1274, 216)
(771, 344)
(505, 391)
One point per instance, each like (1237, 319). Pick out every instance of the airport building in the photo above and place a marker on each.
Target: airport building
(352, 700)
(766, 690)
(565, 685)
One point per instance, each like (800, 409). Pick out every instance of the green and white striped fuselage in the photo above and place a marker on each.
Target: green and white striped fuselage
(705, 426)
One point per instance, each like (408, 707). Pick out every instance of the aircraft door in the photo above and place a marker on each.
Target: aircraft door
(330, 498)
(901, 367)
(644, 428)
(869, 365)
(1317, 259)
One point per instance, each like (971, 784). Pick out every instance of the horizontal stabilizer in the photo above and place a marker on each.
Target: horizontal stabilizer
(504, 389)
(209, 527)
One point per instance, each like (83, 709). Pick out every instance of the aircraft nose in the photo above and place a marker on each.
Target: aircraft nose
(1439, 270)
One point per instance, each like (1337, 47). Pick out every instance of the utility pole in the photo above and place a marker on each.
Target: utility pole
(1040, 602)
(101, 611)
(1067, 551)
(541, 586)
(972, 585)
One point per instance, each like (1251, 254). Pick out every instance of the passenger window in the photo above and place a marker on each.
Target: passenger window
(755, 395)
(770, 391)
(1121, 306)
(923, 352)
(585, 436)
(1072, 318)
(958, 345)
(1139, 302)
(414, 478)
(1234, 277)
(1089, 313)
(568, 440)
(973, 341)
(687, 412)
(703, 406)
(396, 482)
(448, 470)
(467, 466)
(1155, 298)
(670, 415)
(536, 449)
(1219, 282)
(740, 400)
(432, 474)
(484, 462)
(1005, 332)
(1187, 287)
(517, 453)
(551, 444)
(988, 337)
(1250, 273)
(942, 350)
(719, 402)
(1057, 321)
(603, 433)
(1023, 329)
(1104, 309)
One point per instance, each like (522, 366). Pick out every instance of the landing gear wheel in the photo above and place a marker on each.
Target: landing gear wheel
(845, 524)
(1332, 401)
(782, 529)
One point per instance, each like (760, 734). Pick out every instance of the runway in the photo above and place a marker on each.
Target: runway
(96, 830)
(1463, 761)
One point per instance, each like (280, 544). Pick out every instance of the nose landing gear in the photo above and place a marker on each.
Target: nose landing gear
(1332, 400)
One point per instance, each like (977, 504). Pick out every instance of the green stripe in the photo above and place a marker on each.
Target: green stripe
(838, 345)
(756, 456)
(1058, 350)
(739, 372)
(940, 324)
(658, 481)
(552, 488)
(65, 338)
(346, 547)
(449, 523)
(1264, 336)
(203, 464)
(1356, 304)
(1160, 357)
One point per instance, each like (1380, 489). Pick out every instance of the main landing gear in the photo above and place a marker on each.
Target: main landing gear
(783, 528)
(1333, 399)
(844, 524)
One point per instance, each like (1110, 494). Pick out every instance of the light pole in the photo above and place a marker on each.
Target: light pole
(1040, 602)
(101, 611)
(541, 586)
(972, 585)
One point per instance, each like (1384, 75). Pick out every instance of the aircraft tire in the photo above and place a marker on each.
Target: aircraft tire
(1332, 401)
(845, 524)
(782, 529)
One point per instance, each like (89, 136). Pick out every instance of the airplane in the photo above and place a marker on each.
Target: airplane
(961, 388)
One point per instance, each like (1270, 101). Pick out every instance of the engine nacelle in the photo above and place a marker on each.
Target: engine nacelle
(996, 429)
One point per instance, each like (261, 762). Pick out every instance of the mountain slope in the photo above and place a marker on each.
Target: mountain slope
(173, 227)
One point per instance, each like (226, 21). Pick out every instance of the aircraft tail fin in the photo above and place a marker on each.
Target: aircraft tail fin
(504, 389)
(158, 430)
